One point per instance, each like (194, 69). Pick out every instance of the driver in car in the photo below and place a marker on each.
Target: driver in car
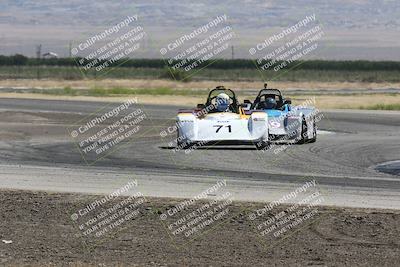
(270, 103)
(222, 102)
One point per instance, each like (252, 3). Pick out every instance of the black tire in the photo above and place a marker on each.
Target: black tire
(314, 139)
(183, 145)
(180, 144)
(261, 145)
(303, 138)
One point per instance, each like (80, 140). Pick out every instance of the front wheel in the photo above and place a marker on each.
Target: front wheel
(181, 142)
(182, 145)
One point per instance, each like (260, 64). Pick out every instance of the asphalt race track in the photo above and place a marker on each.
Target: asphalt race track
(37, 153)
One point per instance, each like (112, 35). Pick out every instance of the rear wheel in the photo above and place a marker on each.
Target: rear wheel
(303, 132)
(261, 145)
(314, 138)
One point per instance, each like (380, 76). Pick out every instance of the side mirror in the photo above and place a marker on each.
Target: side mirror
(246, 101)
(288, 101)
(201, 106)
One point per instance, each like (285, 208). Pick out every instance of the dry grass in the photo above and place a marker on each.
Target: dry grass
(375, 101)
(352, 101)
(156, 83)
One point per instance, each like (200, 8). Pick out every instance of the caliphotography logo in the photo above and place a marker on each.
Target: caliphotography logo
(114, 125)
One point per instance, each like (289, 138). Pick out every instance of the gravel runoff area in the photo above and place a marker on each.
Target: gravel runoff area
(48, 229)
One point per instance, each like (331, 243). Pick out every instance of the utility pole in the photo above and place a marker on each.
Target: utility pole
(38, 56)
(233, 53)
(39, 51)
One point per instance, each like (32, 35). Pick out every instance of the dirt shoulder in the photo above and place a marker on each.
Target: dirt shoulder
(42, 232)
(322, 102)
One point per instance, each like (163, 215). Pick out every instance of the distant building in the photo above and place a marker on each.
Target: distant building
(50, 55)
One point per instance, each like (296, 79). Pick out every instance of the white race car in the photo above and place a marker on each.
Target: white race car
(222, 123)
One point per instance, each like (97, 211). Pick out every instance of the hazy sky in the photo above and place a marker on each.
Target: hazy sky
(353, 29)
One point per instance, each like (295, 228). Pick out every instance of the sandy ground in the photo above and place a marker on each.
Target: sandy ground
(43, 233)
(155, 83)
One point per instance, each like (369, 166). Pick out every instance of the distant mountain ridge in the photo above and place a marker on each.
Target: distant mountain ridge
(248, 13)
(25, 23)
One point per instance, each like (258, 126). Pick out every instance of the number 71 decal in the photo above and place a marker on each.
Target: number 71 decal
(219, 127)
